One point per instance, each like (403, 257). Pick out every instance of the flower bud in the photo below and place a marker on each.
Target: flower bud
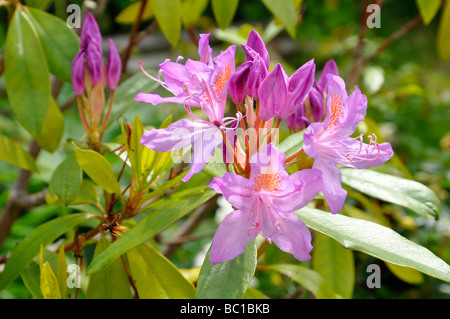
(113, 67)
(78, 73)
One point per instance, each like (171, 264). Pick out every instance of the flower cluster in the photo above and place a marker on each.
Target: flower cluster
(257, 184)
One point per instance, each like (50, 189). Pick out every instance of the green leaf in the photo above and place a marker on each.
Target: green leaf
(375, 240)
(228, 279)
(110, 283)
(26, 74)
(13, 153)
(87, 194)
(224, 11)
(98, 169)
(31, 279)
(307, 278)
(61, 271)
(59, 42)
(168, 15)
(49, 284)
(291, 144)
(40, 4)
(284, 11)
(126, 92)
(173, 209)
(53, 129)
(192, 10)
(428, 9)
(130, 14)
(335, 264)
(66, 180)
(150, 268)
(28, 248)
(443, 45)
(404, 192)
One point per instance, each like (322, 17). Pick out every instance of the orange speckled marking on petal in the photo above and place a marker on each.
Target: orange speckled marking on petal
(269, 182)
(221, 79)
(337, 108)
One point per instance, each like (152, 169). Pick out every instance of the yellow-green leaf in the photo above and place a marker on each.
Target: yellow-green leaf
(168, 15)
(13, 153)
(224, 11)
(335, 264)
(150, 268)
(111, 282)
(49, 283)
(130, 14)
(66, 180)
(98, 169)
(407, 274)
(192, 11)
(284, 10)
(428, 9)
(443, 44)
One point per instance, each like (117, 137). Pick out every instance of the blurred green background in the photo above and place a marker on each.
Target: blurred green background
(408, 89)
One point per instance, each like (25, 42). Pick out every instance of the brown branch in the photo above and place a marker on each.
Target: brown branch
(394, 37)
(190, 225)
(133, 35)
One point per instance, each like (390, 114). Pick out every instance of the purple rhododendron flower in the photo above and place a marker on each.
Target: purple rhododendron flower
(280, 95)
(329, 142)
(302, 118)
(264, 205)
(202, 84)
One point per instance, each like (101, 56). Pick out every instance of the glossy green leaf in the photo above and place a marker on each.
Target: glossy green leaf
(428, 9)
(28, 248)
(168, 15)
(173, 209)
(66, 180)
(53, 129)
(151, 269)
(308, 279)
(443, 45)
(13, 153)
(40, 4)
(59, 42)
(375, 240)
(284, 11)
(192, 10)
(110, 283)
(228, 279)
(404, 192)
(48, 282)
(61, 271)
(26, 74)
(130, 14)
(335, 264)
(98, 169)
(224, 11)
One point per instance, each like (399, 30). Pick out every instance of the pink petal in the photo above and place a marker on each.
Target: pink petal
(293, 237)
(232, 236)
(235, 189)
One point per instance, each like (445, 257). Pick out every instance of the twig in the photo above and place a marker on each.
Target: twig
(393, 37)
(130, 277)
(190, 225)
(133, 36)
